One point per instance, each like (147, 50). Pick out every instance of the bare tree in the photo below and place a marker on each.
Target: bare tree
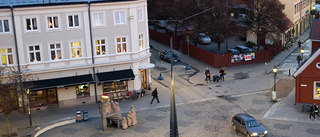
(12, 88)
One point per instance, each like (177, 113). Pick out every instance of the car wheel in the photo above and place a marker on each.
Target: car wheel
(234, 128)
(248, 135)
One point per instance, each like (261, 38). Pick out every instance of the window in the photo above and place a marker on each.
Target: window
(139, 14)
(73, 21)
(31, 24)
(6, 56)
(100, 47)
(120, 17)
(55, 51)
(34, 53)
(98, 19)
(83, 90)
(4, 26)
(316, 90)
(115, 86)
(76, 49)
(121, 45)
(141, 41)
(53, 22)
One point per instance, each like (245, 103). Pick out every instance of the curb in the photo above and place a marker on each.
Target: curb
(53, 124)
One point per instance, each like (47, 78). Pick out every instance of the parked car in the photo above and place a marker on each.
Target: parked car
(171, 28)
(204, 39)
(233, 51)
(248, 125)
(162, 24)
(243, 49)
(166, 56)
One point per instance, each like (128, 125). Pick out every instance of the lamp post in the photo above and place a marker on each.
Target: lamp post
(29, 109)
(302, 51)
(274, 97)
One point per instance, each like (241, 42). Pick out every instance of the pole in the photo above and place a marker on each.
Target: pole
(173, 113)
(29, 109)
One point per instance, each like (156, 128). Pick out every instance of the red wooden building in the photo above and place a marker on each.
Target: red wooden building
(308, 75)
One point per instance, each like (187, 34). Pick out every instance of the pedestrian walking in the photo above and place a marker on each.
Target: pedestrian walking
(316, 109)
(299, 44)
(299, 58)
(221, 74)
(312, 111)
(207, 74)
(155, 95)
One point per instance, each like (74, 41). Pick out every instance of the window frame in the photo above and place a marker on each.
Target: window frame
(103, 19)
(52, 17)
(34, 51)
(6, 54)
(124, 18)
(100, 46)
(141, 39)
(79, 20)
(71, 48)
(37, 21)
(315, 90)
(121, 43)
(55, 49)
(3, 26)
(140, 14)
(77, 88)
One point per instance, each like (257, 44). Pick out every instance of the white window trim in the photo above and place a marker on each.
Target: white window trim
(70, 48)
(125, 18)
(79, 17)
(116, 51)
(49, 51)
(143, 41)
(28, 53)
(7, 54)
(314, 90)
(104, 19)
(106, 46)
(59, 22)
(25, 24)
(9, 22)
(140, 20)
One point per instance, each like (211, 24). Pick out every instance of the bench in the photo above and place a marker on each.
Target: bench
(306, 107)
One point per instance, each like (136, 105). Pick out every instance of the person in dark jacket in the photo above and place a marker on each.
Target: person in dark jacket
(299, 44)
(155, 95)
(312, 111)
(207, 73)
(316, 109)
(221, 74)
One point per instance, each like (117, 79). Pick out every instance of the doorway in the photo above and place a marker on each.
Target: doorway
(144, 79)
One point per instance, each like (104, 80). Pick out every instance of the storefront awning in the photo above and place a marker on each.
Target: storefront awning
(62, 82)
(115, 75)
(146, 66)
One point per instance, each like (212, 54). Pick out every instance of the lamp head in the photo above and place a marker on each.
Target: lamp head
(275, 69)
(302, 50)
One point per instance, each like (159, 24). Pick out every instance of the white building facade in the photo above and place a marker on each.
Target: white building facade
(77, 50)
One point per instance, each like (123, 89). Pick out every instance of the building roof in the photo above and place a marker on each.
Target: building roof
(25, 3)
(314, 32)
(306, 64)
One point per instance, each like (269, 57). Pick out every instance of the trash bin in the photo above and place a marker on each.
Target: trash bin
(85, 115)
(78, 116)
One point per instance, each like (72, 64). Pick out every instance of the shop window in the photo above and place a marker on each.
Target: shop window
(317, 90)
(83, 90)
(38, 98)
(115, 86)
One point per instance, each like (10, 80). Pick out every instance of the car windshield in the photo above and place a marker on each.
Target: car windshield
(252, 123)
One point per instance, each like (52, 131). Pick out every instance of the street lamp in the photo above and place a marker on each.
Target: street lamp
(273, 94)
(302, 51)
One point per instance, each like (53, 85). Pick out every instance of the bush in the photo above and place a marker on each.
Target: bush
(250, 44)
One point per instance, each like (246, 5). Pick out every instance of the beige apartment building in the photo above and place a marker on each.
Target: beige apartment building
(77, 50)
(298, 11)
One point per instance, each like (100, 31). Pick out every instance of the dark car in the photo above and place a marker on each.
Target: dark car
(162, 24)
(248, 125)
(233, 51)
(243, 49)
(166, 56)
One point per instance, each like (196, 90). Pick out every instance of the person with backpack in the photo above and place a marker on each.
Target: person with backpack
(207, 73)
(155, 95)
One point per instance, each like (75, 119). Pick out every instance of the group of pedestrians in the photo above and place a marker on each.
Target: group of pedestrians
(299, 58)
(215, 78)
(314, 110)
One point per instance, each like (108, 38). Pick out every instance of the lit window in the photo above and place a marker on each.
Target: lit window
(4, 26)
(31, 24)
(53, 22)
(73, 21)
(98, 19)
(55, 51)
(6, 56)
(34, 53)
(121, 45)
(120, 17)
(76, 49)
(115, 86)
(141, 41)
(317, 90)
(83, 90)
(139, 14)
(100, 47)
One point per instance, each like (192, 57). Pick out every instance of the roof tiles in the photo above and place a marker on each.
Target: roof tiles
(315, 30)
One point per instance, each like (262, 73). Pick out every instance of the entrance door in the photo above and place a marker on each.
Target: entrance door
(52, 96)
(143, 79)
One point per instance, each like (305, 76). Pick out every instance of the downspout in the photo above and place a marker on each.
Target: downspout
(92, 56)
(17, 52)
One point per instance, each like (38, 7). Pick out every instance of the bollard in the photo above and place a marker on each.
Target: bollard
(265, 69)
(187, 67)
(289, 72)
(160, 77)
